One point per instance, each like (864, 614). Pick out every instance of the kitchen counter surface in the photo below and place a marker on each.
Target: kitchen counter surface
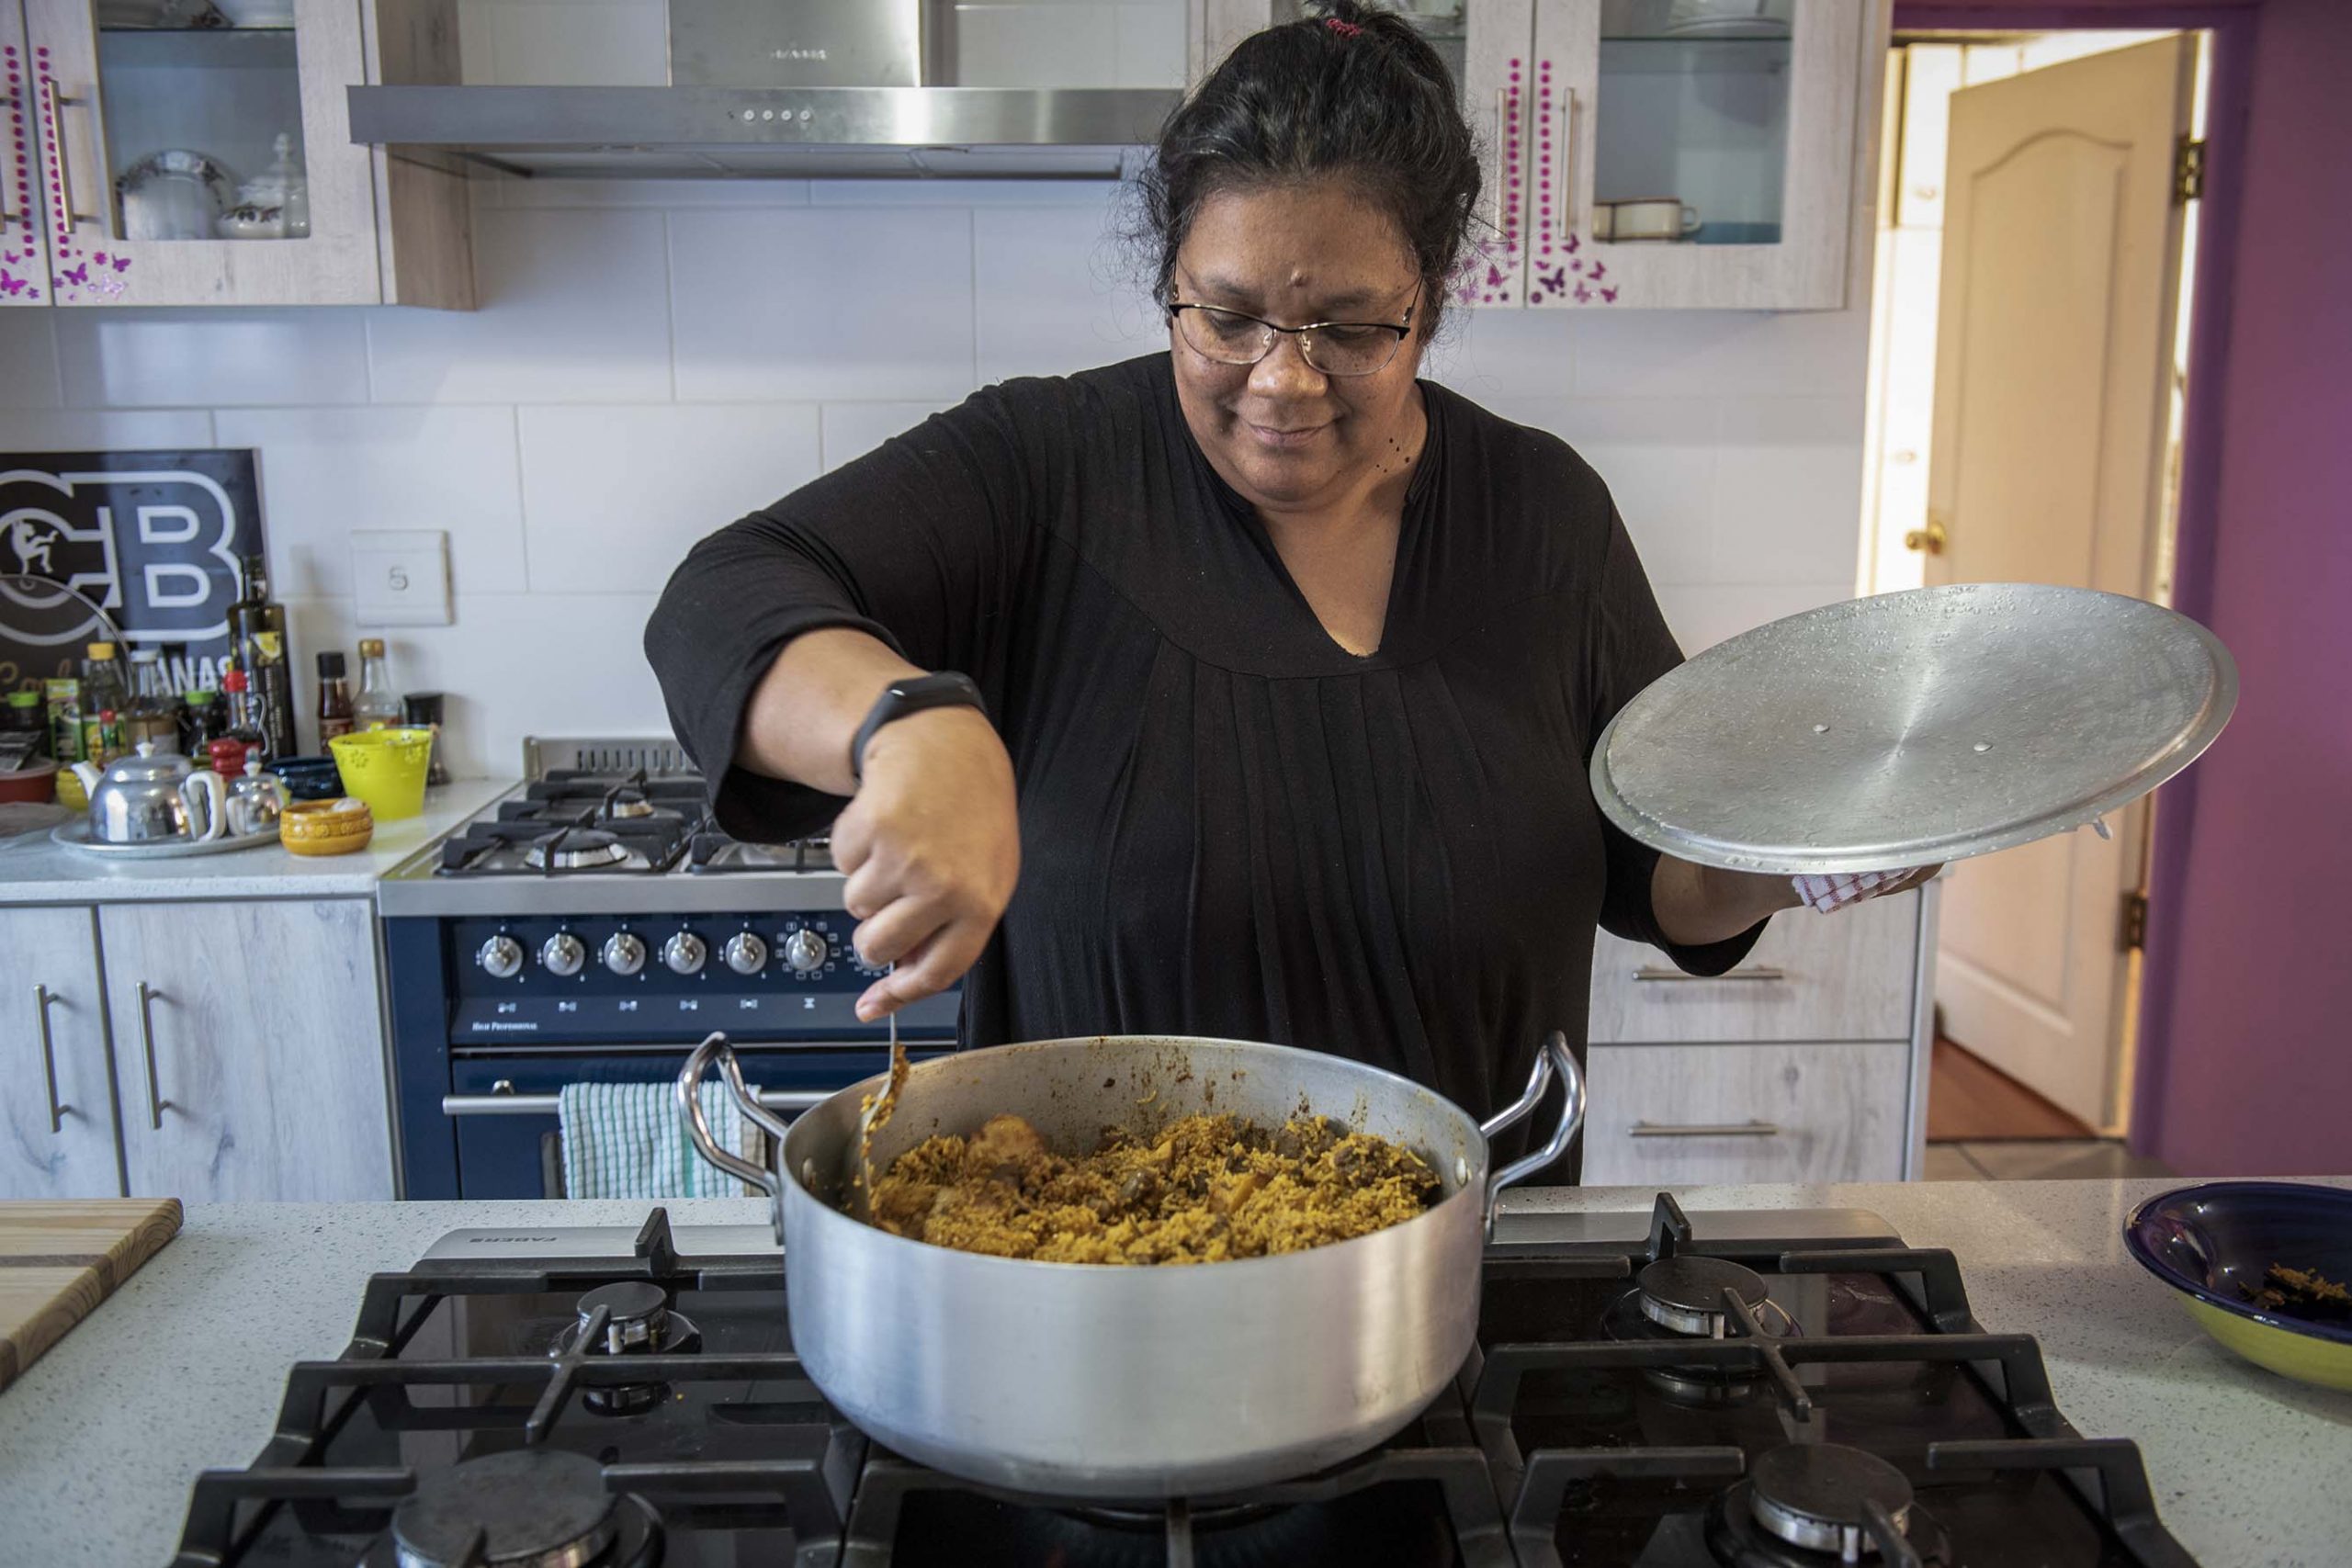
(183, 1368)
(34, 869)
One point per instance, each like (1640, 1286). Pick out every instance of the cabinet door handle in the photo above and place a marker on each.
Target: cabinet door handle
(1566, 165)
(43, 1002)
(1704, 1130)
(58, 148)
(148, 996)
(1654, 975)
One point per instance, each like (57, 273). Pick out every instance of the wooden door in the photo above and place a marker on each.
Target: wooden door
(2061, 275)
(24, 257)
(57, 1124)
(1754, 128)
(249, 1043)
(223, 93)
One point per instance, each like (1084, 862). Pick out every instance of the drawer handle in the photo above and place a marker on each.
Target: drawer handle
(148, 997)
(506, 1102)
(43, 1002)
(1704, 1130)
(1658, 975)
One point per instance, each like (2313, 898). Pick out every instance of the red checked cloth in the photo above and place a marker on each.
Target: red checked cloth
(1830, 893)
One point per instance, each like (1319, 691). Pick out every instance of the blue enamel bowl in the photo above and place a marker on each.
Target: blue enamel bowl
(2214, 1242)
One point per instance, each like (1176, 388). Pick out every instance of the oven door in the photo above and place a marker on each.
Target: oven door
(515, 1150)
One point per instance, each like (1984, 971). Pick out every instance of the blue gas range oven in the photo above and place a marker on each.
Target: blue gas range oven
(593, 925)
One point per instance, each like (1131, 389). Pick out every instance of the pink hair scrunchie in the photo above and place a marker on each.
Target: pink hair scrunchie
(1345, 29)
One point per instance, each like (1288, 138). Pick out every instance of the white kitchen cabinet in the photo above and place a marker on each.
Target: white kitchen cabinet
(57, 1120)
(1808, 1062)
(248, 1043)
(1671, 1115)
(24, 259)
(140, 134)
(1761, 126)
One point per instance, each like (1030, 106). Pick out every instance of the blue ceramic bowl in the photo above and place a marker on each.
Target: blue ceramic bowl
(2208, 1241)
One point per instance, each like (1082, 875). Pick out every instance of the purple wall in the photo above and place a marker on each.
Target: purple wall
(2245, 1055)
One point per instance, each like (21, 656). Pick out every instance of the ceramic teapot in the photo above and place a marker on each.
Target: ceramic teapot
(153, 798)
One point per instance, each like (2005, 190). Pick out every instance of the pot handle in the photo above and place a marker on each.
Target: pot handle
(689, 1076)
(1553, 1059)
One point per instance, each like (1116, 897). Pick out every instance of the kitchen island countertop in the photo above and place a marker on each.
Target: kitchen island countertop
(34, 869)
(184, 1366)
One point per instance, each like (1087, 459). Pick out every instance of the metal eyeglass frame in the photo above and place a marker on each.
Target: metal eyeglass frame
(1306, 344)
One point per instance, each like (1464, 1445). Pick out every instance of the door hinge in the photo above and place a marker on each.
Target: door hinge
(2135, 921)
(2188, 170)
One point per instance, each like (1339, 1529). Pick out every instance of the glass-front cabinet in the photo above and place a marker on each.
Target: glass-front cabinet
(1668, 153)
(200, 152)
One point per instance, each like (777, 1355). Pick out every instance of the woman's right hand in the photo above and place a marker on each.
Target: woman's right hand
(932, 845)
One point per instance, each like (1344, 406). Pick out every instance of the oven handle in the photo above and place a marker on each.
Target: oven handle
(788, 1100)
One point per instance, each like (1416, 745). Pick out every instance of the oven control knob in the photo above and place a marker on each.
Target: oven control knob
(684, 953)
(563, 954)
(745, 953)
(806, 952)
(624, 954)
(503, 956)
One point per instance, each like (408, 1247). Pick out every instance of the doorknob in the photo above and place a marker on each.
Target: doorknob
(1931, 538)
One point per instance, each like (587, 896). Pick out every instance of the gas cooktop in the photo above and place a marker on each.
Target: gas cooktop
(1785, 1390)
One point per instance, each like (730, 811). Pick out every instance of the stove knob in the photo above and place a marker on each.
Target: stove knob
(503, 956)
(624, 954)
(563, 954)
(745, 953)
(806, 952)
(684, 953)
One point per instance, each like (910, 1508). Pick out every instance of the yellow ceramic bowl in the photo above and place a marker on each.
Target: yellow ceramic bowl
(2214, 1244)
(386, 768)
(325, 827)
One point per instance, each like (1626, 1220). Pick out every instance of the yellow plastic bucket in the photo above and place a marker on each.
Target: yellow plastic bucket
(386, 768)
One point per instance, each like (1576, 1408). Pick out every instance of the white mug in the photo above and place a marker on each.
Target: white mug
(1645, 219)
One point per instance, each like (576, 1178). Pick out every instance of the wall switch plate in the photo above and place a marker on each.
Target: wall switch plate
(400, 577)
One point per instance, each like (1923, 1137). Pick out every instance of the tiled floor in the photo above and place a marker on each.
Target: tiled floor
(2039, 1159)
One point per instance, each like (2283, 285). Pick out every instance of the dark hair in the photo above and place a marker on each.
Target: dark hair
(1352, 92)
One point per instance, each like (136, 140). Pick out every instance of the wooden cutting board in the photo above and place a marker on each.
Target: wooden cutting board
(59, 1260)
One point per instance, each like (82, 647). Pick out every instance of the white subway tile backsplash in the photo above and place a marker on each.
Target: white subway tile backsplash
(325, 472)
(1702, 616)
(1788, 491)
(852, 430)
(1648, 353)
(574, 309)
(29, 372)
(822, 304)
(104, 430)
(505, 194)
(1485, 354)
(212, 358)
(1056, 291)
(962, 193)
(614, 497)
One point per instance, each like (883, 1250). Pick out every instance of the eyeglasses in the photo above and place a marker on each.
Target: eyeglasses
(1333, 348)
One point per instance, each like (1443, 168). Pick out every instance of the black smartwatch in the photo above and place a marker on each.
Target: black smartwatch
(943, 689)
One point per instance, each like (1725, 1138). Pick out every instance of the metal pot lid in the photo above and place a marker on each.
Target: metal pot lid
(1913, 728)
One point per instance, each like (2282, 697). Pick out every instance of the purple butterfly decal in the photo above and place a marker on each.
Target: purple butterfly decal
(1573, 245)
(1600, 270)
(1494, 277)
(122, 264)
(1556, 281)
(11, 284)
(1582, 294)
(1609, 296)
(11, 258)
(1467, 294)
(1575, 266)
(76, 275)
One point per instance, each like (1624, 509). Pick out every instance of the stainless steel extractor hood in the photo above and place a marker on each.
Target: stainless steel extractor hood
(778, 89)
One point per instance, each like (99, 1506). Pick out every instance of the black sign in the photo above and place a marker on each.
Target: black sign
(153, 539)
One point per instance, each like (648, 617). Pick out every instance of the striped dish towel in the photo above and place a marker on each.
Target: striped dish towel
(626, 1140)
(1833, 893)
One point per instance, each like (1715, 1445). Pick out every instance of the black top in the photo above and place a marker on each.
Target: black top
(1230, 825)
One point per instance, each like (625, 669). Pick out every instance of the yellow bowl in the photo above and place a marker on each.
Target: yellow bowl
(325, 827)
(2284, 1351)
(386, 768)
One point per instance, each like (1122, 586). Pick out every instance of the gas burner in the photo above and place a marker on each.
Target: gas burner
(624, 803)
(1830, 1503)
(575, 849)
(638, 1321)
(1685, 1295)
(641, 1322)
(524, 1508)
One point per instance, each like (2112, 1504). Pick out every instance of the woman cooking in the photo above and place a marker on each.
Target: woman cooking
(1245, 690)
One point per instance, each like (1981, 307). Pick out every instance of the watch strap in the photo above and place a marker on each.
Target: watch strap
(917, 693)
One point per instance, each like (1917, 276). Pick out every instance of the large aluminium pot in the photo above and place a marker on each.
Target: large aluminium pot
(1083, 1380)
